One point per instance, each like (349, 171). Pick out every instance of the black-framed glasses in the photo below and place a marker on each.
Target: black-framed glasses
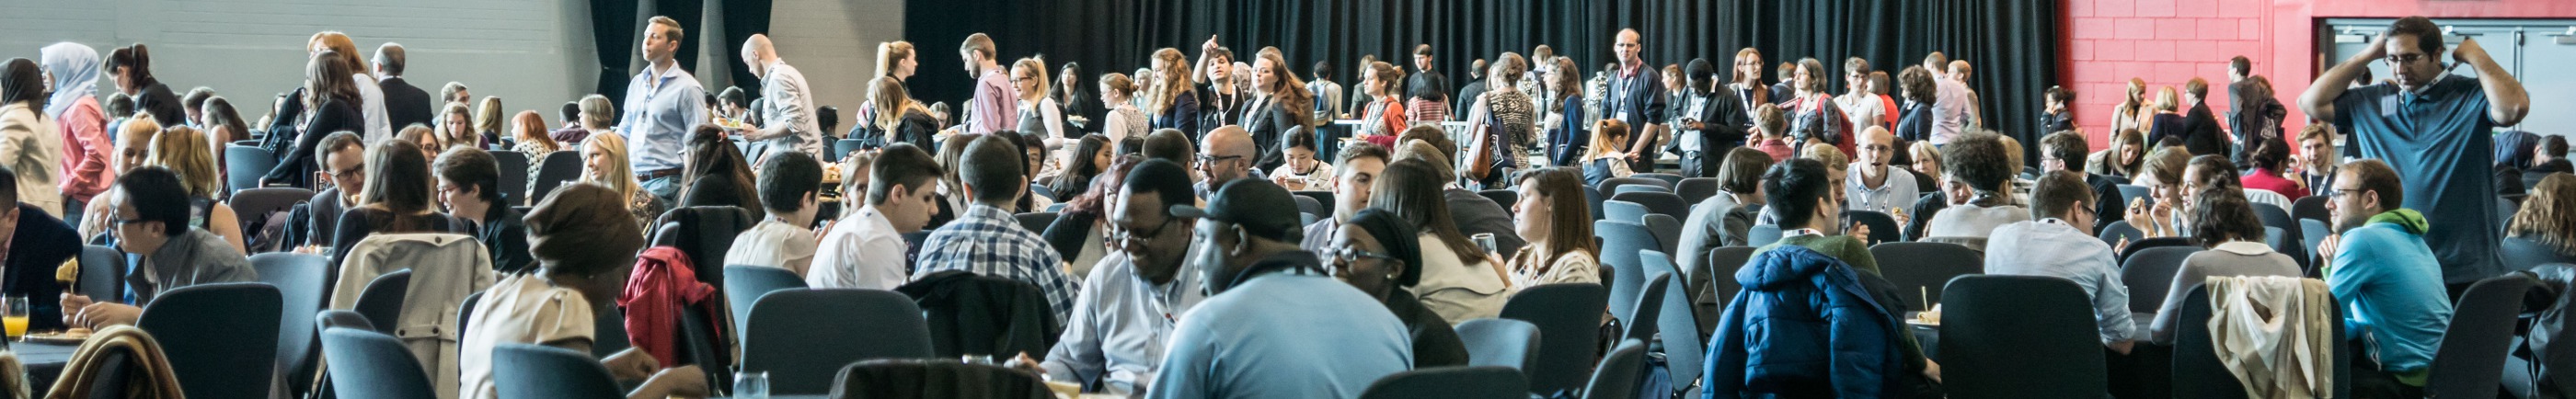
(1203, 159)
(352, 172)
(1346, 255)
(122, 222)
(1120, 238)
(2405, 58)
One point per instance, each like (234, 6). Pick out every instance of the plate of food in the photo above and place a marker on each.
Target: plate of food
(70, 337)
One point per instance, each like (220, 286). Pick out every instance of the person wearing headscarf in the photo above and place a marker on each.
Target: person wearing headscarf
(74, 106)
(30, 142)
(1383, 268)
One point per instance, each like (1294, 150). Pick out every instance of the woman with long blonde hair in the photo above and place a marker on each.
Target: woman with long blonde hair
(487, 125)
(1172, 100)
(603, 162)
(2128, 114)
(1029, 75)
(2548, 216)
(182, 149)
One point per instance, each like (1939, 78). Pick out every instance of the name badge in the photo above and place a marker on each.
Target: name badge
(2388, 105)
(1623, 115)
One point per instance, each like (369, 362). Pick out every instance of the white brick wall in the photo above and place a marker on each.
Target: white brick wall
(533, 54)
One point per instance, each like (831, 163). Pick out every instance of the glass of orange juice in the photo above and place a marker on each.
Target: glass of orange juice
(16, 319)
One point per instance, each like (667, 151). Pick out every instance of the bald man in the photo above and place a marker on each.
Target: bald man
(1225, 156)
(789, 112)
(1636, 96)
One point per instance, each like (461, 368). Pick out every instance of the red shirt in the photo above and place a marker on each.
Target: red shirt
(2267, 179)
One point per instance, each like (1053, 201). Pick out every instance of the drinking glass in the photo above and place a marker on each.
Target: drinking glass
(15, 320)
(751, 385)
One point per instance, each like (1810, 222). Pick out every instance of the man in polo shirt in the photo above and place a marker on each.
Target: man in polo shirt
(1275, 324)
(2433, 127)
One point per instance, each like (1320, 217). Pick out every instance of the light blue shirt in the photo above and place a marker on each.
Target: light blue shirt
(2050, 247)
(2391, 288)
(1119, 326)
(661, 109)
(1284, 336)
(1898, 191)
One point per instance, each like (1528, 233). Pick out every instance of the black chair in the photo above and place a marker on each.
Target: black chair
(1622, 211)
(2274, 216)
(1668, 231)
(1657, 203)
(1611, 185)
(115, 368)
(1720, 269)
(2156, 242)
(1920, 270)
(1761, 234)
(217, 337)
(522, 371)
(1649, 311)
(1568, 317)
(1669, 179)
(299, 279)
(1640, 188)
(2523, 254)
(2470, 361)
(382, 301)
(1695, 189)
(1305, 205)
(102, 273)
(843, 147)
(2150, 274)
(1321, 197)
(2020, 337)
(1500, 342)
(2120, 230)
(932, 378)
(1679, 329)
(258, 203)
(368, 364)
(1501, 197)
(2310, 207)
(2313, 232)
(2197, 372)
(1035, 222)
(1620, 244)
(802, 337)
(744, 285)
(1882, 228)
(514, 176)
(244, 165)
(1619, 373)
(556, 170)
(1468, 382)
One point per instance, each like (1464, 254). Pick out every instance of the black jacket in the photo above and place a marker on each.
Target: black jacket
(983, 315)
(157, 99)
(1569, 138)
(1914, 124)
(1722, 120)
(705, 233)
(507, 238)
(1434, 343)
(1218, 108)
(405, 104)
(40, 243)
(1642, 103)
(1268, 126)
(2201, 134)
(295, 167)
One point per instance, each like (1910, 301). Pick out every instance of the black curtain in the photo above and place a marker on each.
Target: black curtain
(742, 18)
(2012, 42)
(612, 31)
(691, 14)
(614, 28)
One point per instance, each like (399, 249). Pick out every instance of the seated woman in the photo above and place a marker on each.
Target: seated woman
(2548, 216)
(1077, 234)
(1301, 171)
(398, 201)
(582, 234)
(1560, 237)
(717, 173)
(1460, 280)
(1608, 154)
(2163, 177)
(182, 149)
(603, 162)
(1382, 268)
(2226, 225)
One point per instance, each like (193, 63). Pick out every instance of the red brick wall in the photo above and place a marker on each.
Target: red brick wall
(2168, 42)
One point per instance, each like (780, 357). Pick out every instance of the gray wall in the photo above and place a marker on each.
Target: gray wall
(532, 54)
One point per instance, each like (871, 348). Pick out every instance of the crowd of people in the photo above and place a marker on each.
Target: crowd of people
(1180, 265)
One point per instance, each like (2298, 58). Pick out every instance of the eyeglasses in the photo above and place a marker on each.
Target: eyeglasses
(2405, 58)
(350, 173)
(1121, 238)
(1346, 255)
(1204, 160)
(122, 222)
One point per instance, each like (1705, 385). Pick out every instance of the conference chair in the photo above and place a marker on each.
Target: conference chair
(2310, 207)
(1568, 317)
(1501, 342)
(2020, 337)
(1457, 382)
(2118, 231)
(1620, 244)
(523, 371)
(933, 379)
(1713, 286)
(2133, 192)
(1305, 205)
(1882, 228)
(1619, 373)
(745, 284)
(1321, 197)
(1660, 203)
(803, 337)
(258, 203)
(1921, 270)
(1667, 230)
(217, 337)
(557, 169)
(1501, 197)
(2312, 233)
(2522, 254)
(244, 165)
(2155, 242)
(1041, 190)
(2150, 274)
(1622, 210)
(843, 147)
(102, 273)
(1761, 234)
(368, 364)
(1592, 198)
(514, 175)
(1640, 188)
(299, 279)
(1035, 222)
(382, 301)
(704, 233)
(2469, 363)
(1683, 345)
(1611, 185)
(2197, 372)
(1649, 309)
(1695, 189)
(1669, 179)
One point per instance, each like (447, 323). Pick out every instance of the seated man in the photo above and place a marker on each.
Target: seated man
(1976, 171)
(2057, 245)
(866, 248)
(1359, 168)
(152, 220)
(469, 182)
(2387, 279)
(344, 165)
(1877, 185)
(1315, 337)
(791, 182)
(986, 240)
(2065, 151)
(37, 244)
(1116, 336)
(1802, 197)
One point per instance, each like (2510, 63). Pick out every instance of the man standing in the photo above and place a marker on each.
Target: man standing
(2380, 268)
(1950, 103)
(663, 105)
(2432, 127)
(1221, 101)
(405, 104)
(787, 106)
(1859, 103)
(1474, 89)
(996, 109)
(866, 248)
(1330, 341)
(1636, 96)
(2055, 115)
(1711, 125)
(1424, 76)
(985, 240)
(1119, 327)
(2317, 158)
(2255, 119)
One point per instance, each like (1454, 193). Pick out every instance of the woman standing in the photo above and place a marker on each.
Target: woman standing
(371, 98)
(1505, 116)
(1079, 114)
(1560, 237)
(1029, 76)
(1566, 136)
(330, 106)
(30, 141)
(1174, 100)
(1284, 104)
(131, 68)
(2130, 113)
(1117, 93)
(894, 60)
(1384, 115)
(86, 144)
(1813, 116)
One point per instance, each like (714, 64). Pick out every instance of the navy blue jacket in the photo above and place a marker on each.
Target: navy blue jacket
(1567, 141)
(1805, 325)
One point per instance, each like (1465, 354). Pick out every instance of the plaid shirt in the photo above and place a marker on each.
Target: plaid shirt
(987, 241)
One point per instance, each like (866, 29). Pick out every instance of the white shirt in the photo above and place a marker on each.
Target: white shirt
(1949, 110)
(1898, 191)
(861, 251)
(791, 108)
(773, 243)
(1120, 325)
(379, 127)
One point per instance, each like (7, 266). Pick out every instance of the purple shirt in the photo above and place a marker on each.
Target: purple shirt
(995, 108)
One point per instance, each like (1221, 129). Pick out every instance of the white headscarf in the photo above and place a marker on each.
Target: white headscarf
(75, 68)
